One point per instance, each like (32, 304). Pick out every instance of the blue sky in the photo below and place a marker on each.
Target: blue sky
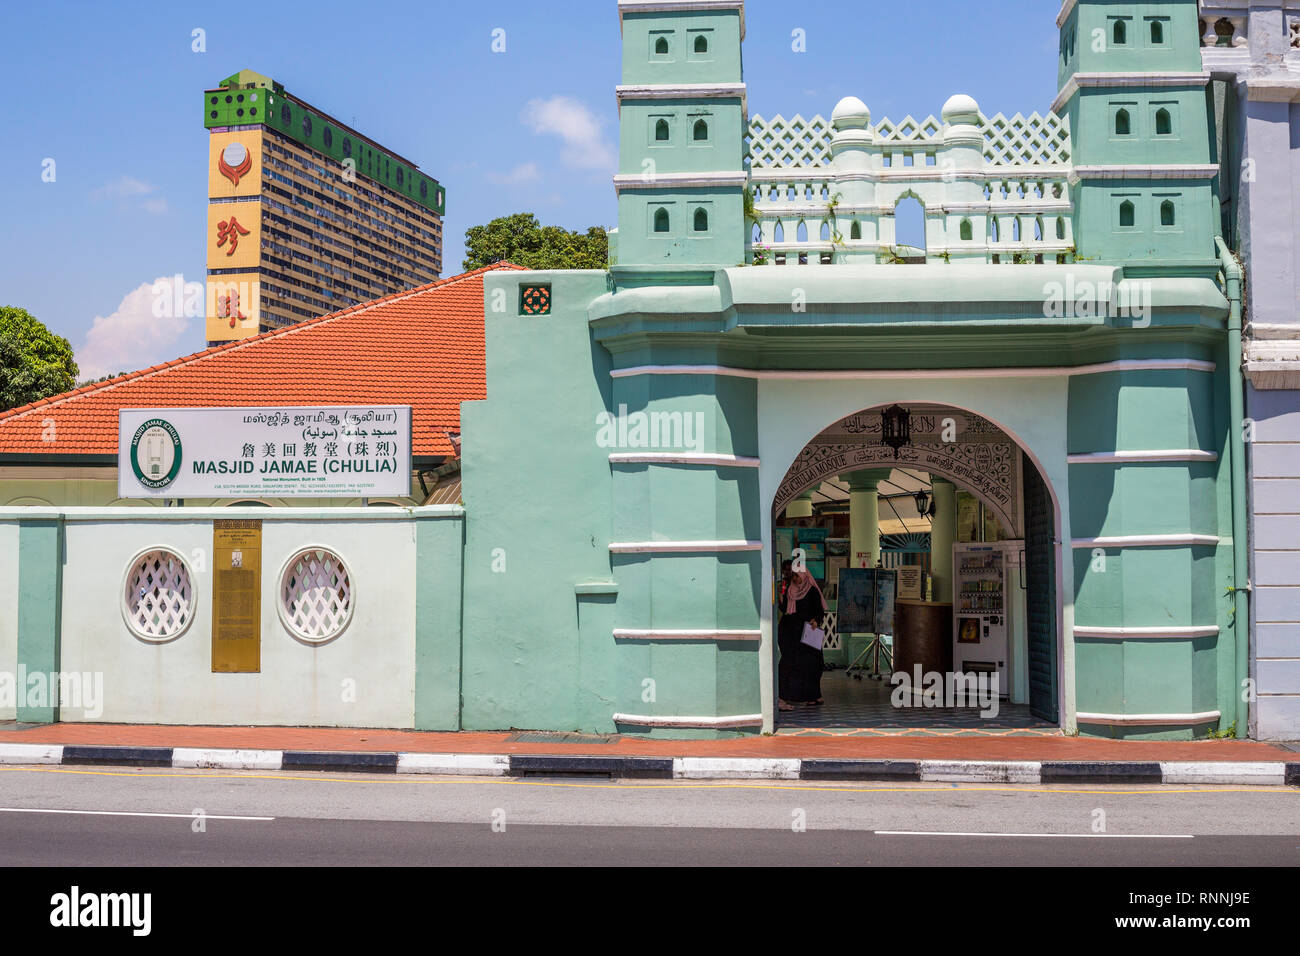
(111, 92)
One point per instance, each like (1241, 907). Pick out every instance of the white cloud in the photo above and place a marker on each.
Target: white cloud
(578, 127)
(126, 189)
(133, 337)
(523, 173)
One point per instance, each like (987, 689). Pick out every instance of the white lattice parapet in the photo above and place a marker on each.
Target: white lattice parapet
(799, 143)
(994, 189)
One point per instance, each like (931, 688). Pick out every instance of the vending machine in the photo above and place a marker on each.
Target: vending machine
(981, 608)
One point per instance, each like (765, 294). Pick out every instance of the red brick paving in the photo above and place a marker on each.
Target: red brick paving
(927, 748)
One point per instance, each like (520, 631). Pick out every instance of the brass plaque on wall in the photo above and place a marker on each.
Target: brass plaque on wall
(237, 596)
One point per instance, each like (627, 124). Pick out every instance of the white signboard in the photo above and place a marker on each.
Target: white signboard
(320, 452)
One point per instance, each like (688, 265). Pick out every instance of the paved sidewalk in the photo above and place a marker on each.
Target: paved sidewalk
(968, 746)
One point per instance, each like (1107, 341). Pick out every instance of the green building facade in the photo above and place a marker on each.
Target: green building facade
(652, 420)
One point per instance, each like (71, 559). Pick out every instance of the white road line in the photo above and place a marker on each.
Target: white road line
(130, 813)
(1115, 836)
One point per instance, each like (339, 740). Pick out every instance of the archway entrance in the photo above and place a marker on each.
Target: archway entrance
(956, 530)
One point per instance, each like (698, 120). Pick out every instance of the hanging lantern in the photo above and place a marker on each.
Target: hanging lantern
(924, 504)
(896, 427)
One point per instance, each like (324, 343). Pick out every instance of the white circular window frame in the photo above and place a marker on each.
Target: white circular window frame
(283, 613)
(127, 610)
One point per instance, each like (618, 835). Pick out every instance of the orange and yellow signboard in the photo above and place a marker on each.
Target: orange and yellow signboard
(234, 164)
(233, 306)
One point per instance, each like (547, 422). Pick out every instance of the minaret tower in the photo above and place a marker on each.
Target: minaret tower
(1132, 86)
(682, 123)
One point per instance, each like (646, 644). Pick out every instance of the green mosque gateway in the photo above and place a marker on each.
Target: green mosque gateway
(1033, 415)
(1074, 316)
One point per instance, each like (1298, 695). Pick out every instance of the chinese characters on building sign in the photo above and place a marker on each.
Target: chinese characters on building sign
(232, 230)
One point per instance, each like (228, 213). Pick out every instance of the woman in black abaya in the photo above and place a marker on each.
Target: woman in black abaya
(804, 604)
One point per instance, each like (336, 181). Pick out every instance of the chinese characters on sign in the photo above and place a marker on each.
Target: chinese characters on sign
(228, 307)
(232, 230)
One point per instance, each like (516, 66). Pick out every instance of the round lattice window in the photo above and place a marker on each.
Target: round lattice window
(315, 595)
(158, 596)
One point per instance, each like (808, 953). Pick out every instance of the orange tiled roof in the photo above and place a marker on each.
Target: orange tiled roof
(423, 347)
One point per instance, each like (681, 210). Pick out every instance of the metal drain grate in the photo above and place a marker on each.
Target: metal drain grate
(551, 737)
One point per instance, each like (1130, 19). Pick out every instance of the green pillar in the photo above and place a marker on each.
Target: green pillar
(40, 599)
(439, 557)
(801, 507)
(864, 515)
(943, 532)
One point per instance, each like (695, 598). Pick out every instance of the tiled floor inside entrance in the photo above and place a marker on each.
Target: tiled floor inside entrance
(862, 708)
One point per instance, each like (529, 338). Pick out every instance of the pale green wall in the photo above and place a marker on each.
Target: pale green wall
(536, 486)
(9, 556)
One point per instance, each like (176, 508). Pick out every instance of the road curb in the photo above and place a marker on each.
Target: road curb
(827, 769)
(80, 755)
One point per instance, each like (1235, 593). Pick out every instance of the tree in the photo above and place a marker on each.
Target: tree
(525, 242)
(34, 362)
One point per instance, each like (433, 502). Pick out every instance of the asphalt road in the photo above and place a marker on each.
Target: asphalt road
(91, 817)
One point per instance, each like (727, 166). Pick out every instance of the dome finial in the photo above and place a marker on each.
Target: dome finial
(961, 108)
(851, 113)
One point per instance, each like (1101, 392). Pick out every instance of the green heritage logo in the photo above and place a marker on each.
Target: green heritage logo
(156, 453)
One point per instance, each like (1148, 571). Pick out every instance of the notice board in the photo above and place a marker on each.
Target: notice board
(866, 601)
(236, 596)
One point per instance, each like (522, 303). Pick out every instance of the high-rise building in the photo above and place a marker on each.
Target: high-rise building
(306, 215)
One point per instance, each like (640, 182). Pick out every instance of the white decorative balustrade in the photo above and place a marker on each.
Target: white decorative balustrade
(994, 189)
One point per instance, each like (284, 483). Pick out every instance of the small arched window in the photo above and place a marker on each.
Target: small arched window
(1015, 229)
(701, 44)
(661, 131)
(1039, 235)
(967, 231)
(1126, 213)
(1164, 125)
(825, 233)
(661, 46)
(855, 230)
(1060, 227)
(701, 220)
(778, 232)
(661, 220)
(1167, 215)
(701, 131)
(1122, 125)
(1120, 34)
(1157, 32)
(757, 234)
(995, 234)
